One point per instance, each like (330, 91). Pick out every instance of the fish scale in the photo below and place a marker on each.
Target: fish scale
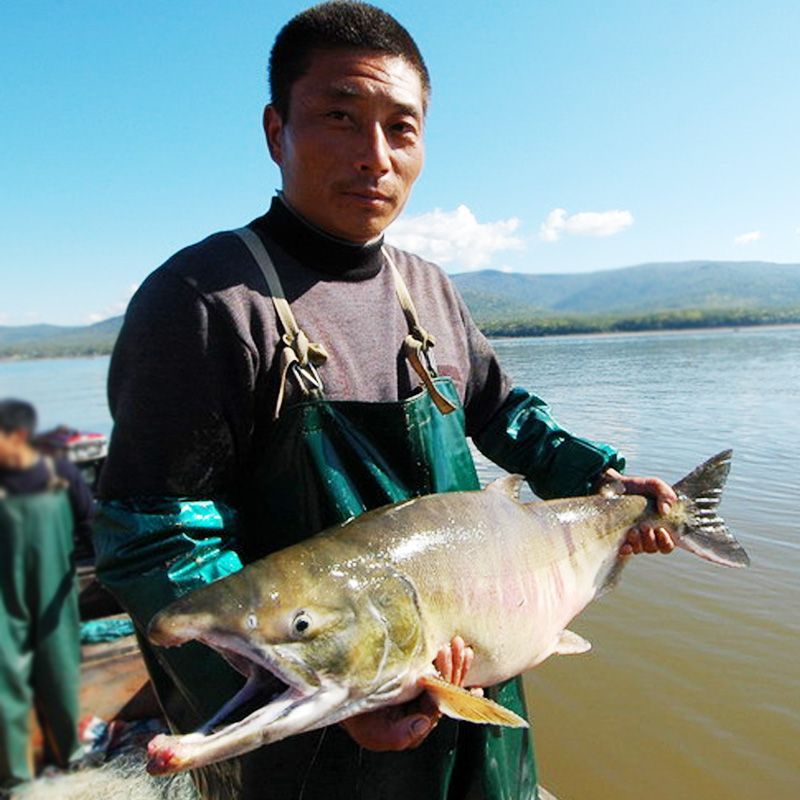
(351, 619)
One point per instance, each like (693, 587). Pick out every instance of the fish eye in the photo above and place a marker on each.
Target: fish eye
(301, 623)
(252, 622)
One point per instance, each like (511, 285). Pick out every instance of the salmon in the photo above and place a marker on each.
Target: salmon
(351, 619)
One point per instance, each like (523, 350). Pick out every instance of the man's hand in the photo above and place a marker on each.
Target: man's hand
(406, 726)
(645, 538)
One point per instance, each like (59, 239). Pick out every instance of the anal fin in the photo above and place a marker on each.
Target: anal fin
(569, 643)
(454, 701)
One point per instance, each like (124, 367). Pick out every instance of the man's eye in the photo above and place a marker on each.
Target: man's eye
(336, 115)
(404, 129)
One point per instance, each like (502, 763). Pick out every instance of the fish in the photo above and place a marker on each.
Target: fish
(351, 619)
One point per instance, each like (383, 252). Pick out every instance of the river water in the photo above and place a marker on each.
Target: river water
(692, 689)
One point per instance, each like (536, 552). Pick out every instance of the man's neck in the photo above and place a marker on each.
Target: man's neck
(21, 458)
(377, 241)
(318, 250)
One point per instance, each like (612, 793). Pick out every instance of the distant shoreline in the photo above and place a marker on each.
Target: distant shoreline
(5, 359)
(549, 333)
(655, 323)
(646, 331)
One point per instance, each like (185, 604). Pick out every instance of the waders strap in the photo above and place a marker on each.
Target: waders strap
(298, 353)
(417, 345)
(54, 480)
(303, 356)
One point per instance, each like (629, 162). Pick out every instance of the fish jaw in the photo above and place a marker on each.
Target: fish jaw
(352, 655)
(292, 712)
(304, 696)
(308, 701)
(299, 708)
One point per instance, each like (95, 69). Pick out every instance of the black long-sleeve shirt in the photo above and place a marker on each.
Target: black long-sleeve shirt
(194, 376)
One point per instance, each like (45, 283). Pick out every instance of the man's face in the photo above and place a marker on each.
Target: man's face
(351, 147)
(12, 446)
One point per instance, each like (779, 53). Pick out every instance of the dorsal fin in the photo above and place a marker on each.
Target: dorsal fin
(509, 485)
(611, 489)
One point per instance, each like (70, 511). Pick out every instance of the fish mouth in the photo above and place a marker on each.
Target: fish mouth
(266, 683)
(281, 696)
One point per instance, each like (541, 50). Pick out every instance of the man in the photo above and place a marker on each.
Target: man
(244, 423)
(44, 505)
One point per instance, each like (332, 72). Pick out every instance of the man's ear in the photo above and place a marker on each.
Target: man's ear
(273, 130)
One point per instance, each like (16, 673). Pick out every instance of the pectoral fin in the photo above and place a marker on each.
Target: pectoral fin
(570, 643)
(453, 701)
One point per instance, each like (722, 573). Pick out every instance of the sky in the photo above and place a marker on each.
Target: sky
(563, 136)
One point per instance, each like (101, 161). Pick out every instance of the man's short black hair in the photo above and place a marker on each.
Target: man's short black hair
(17, 415)
(337, 25)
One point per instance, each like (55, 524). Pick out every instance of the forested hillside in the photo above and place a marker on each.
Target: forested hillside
(644, 297)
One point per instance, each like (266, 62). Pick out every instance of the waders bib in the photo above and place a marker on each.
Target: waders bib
(332, 460)
(326, 461)
(39, 631)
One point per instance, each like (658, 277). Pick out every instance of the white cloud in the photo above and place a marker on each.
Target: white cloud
(454, 237)
(116, 309)
(747, 238)
(586, 223)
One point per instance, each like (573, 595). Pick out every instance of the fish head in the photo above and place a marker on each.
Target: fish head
(317, 643)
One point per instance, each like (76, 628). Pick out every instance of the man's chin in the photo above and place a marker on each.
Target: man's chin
(364, 227)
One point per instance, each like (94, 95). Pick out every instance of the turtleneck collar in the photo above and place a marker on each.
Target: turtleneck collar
(317, 250)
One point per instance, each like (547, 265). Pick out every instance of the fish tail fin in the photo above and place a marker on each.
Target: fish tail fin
(704, 532)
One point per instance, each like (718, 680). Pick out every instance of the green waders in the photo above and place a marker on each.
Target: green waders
(326, 462)
(39, 631)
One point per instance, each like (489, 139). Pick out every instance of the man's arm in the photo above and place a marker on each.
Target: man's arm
(174, 378)
(523, 437)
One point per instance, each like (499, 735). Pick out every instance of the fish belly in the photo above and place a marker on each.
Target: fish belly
(509, 577)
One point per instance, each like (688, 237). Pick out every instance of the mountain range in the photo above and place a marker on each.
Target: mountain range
(643, 289)
(509, 302)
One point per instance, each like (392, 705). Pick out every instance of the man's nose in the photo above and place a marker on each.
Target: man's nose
(374, 151)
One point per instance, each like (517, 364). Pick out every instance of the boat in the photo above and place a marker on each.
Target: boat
(87, 450)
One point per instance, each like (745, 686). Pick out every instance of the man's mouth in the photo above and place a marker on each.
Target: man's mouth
(371, 196)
